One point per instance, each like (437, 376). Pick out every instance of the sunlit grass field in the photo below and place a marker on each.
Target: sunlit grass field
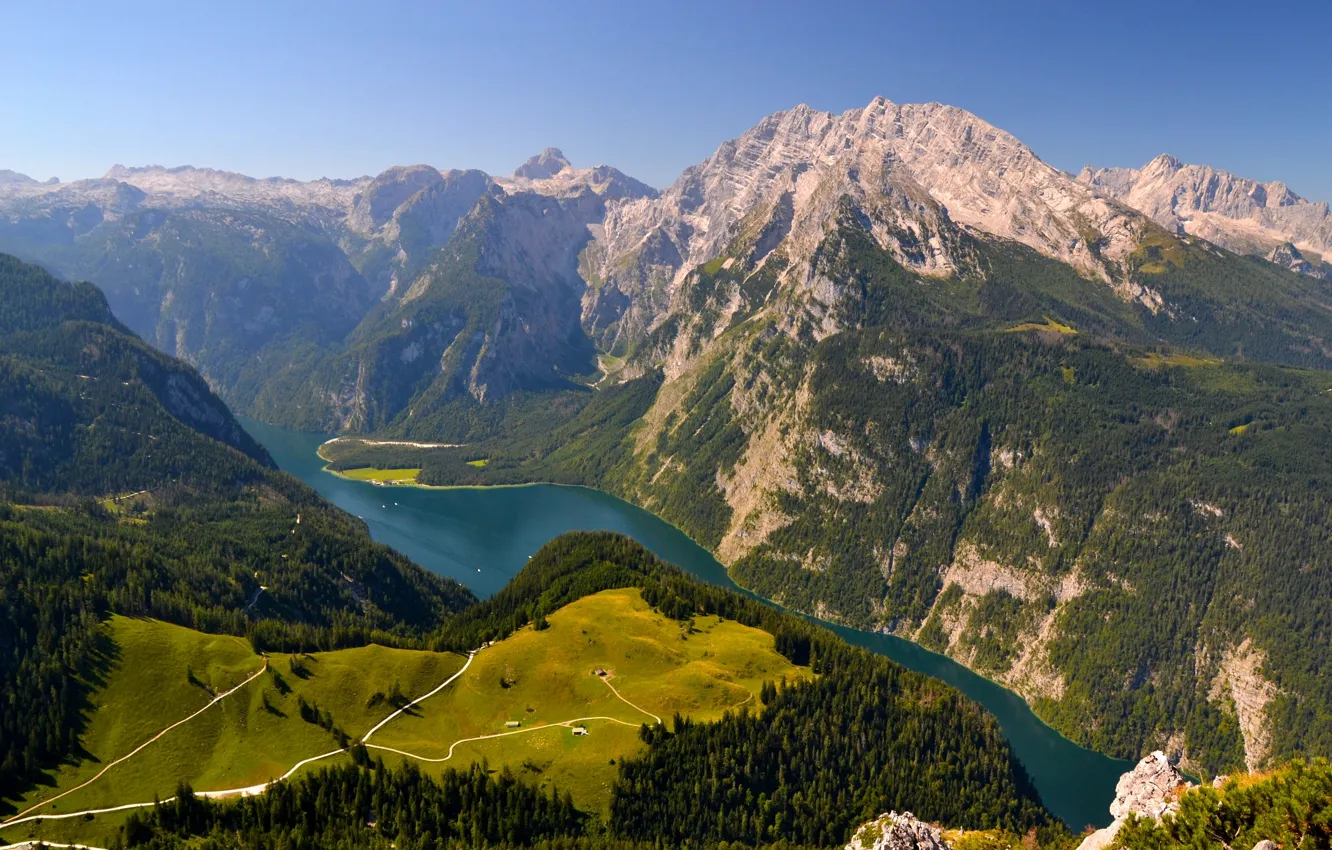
(160, 674)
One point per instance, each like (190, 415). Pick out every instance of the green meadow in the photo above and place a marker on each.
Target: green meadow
(546, 680)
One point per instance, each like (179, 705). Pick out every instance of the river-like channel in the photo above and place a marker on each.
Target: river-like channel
(482, 536)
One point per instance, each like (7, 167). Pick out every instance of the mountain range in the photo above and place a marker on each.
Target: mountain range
(1246, 216)
(893, 368)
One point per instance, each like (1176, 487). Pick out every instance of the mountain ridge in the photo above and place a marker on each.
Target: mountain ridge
(1246, 216)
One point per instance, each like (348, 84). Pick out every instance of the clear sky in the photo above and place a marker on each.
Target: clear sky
(342, 89)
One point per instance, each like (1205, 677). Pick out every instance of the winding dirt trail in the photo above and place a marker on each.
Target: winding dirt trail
(562, 723)
(25, 816)
(606, 679)
(19, 818)
(567, 724)
(422, 698)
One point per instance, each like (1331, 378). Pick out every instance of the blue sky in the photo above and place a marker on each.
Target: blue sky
(342, 89)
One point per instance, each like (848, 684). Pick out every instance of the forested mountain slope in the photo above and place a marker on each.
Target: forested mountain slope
(260, 284)
(892, 367)
(1126, 533)
(126, 485)
(492, 316)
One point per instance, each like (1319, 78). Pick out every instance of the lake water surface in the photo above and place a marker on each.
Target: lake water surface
(483, 536)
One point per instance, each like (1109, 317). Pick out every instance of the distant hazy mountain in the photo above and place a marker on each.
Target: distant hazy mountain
(1246, 216)
(544, 165)
(256, 281)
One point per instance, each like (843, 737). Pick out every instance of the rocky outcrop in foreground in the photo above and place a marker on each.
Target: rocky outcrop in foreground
(897, 832)
(1151, 789)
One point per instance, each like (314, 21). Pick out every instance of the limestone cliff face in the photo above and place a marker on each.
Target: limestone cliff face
(1151, 789)
(1246, 216)
(495, 311)
(913, 173)
(893, 831)
(374, 205)
(394, 248)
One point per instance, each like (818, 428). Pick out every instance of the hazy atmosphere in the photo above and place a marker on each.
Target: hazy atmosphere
(343, 89)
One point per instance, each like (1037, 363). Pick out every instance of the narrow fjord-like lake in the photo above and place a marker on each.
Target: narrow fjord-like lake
(483, 536)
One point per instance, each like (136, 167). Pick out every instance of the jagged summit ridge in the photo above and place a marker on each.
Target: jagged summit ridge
(546, 164)
(930, 155)
(915, 176)
(1246, 216)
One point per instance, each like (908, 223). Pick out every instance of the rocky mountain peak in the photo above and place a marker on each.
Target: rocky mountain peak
(1288, 256)
(544, 165)
(1150, 789)
(8, 177)
(897, 832)
(1245, 216)
(913, 175)
(1163, 163)
(550, 173)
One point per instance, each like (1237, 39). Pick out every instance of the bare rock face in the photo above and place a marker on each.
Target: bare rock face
(546, 164)
(1151, 789)
(375, 204)
(915, 176)
(1246, 216)
(1288, 256)
(897, 832)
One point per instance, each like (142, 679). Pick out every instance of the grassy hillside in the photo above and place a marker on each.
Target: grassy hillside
(159, 674)
(546, 677)
(717, 668)
(127, 486)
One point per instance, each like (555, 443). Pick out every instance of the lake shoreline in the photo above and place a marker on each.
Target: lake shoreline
(450, 529)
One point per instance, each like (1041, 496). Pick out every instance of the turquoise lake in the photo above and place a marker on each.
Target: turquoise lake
(483, 536)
